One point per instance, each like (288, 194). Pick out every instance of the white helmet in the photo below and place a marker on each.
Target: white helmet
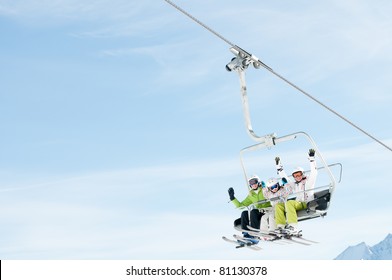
(254, 180)
(298, 169)
(272, 183)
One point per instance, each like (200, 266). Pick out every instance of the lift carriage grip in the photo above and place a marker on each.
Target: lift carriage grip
(257, 63)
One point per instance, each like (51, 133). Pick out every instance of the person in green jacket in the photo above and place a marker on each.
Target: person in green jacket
(254, 217)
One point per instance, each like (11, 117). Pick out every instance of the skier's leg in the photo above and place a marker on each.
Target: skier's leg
(244, 220)
(280, 218)
(237, 222)
(264, 221)
(271, 219)
(255, 216)
(292, 206)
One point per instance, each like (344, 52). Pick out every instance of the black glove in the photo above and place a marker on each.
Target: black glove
(279, 166)
(231, 193)
(311, 152)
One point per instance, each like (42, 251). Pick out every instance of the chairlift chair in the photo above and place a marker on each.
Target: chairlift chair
(322, 193)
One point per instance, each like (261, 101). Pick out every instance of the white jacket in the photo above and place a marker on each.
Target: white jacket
(304, 190)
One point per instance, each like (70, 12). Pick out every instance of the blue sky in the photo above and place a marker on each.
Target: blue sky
(121, 128)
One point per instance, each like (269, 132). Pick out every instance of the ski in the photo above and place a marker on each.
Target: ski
(239, 244)
(242, 244)
(285, 236)
(294, 239)
(305, 239)
(299, 236)
(279, 238)
(251, 242)
(254, 240)
(257, 234)
(258, 230)
(263, 236)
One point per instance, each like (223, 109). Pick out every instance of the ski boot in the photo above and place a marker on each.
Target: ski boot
(292, 231)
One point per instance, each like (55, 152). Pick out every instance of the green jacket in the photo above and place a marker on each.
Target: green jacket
(252, 198)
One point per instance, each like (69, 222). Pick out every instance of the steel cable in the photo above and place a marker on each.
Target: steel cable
(281, 77)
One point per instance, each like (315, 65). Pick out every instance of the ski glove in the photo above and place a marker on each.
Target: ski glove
(279, 166)
(231, 193)
(311, 154)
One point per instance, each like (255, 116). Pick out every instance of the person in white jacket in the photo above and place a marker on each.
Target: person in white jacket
(303, 189)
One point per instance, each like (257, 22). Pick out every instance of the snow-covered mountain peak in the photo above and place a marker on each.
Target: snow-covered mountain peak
(362, 251)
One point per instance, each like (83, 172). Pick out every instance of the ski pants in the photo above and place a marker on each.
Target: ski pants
(255, 217)
(288, 212)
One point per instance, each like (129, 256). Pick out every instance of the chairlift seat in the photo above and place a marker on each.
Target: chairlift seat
(316, 207)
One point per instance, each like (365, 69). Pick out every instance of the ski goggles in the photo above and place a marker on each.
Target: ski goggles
(273, 187)
(253, 181)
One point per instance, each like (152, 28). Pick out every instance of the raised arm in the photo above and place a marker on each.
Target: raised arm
(279, 169)
(311, 180)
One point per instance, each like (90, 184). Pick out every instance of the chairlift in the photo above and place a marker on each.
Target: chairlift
(323, 190)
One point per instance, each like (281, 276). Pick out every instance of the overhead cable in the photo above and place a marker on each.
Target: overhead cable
(281, 77)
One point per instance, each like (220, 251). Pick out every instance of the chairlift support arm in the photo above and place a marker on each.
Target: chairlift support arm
(239, 64)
